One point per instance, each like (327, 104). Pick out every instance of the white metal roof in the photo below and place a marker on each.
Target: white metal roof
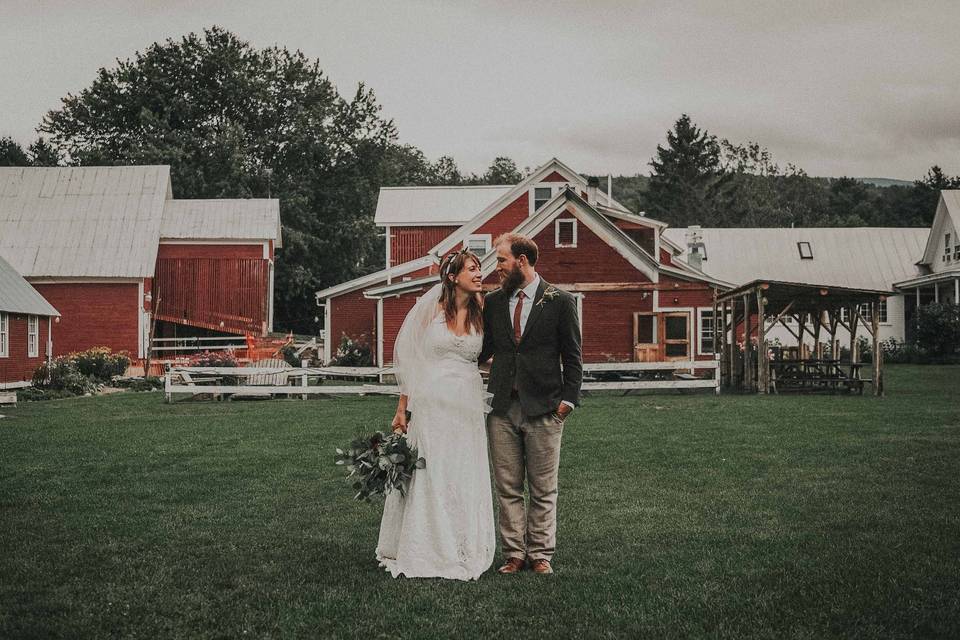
(82, 221)
(854, 257)
(17, 296)
(250, 219)
(434, 205)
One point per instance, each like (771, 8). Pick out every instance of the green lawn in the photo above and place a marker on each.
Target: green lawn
(680, 516)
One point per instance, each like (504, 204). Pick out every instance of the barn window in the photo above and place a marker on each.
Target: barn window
(4, 335)
(806, 252)
(33, 336)
(479, 243)
(540, 196)
(565, 232)
(706, 325)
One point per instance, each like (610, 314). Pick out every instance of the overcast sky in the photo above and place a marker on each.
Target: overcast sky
(866, 89)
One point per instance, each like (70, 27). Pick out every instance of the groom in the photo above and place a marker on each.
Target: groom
(529, 327)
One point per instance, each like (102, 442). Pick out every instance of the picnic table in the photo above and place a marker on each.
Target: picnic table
(815, 375)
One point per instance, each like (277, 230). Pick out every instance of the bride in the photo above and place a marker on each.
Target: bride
(443, 527)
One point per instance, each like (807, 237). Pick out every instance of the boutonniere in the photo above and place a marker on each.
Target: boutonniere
(549, 293)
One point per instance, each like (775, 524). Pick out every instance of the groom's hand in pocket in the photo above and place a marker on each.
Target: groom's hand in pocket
(563, 411)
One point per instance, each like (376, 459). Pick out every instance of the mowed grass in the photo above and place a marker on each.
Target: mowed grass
(680, 516)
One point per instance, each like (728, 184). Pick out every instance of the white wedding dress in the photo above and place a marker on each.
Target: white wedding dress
(444, 527)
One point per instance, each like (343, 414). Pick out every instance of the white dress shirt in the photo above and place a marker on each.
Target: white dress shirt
(530, 294)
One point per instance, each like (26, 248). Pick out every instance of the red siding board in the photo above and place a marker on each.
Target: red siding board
(210, 251)
(592, 260)
(608, 324)
(410, 243)
(508, 218)
(18, 366)
(394, 311)
(556, 177)
(355, 316)
(94, 315)
(215, 292)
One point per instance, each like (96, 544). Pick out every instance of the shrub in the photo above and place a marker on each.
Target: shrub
(150, 383)
(100, 363)
(32, 394)
(352, 353)
(938, 329)
(62, 374)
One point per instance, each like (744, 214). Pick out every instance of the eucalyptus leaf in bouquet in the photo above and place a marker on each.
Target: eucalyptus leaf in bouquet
(379, 463)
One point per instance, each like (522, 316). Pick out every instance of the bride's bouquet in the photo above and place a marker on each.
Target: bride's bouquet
(379, 464)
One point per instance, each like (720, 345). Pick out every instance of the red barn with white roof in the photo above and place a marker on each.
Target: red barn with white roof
(636, 300)
(112, 250)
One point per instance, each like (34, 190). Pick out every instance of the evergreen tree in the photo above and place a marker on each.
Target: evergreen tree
(12, 154)
(685, 174)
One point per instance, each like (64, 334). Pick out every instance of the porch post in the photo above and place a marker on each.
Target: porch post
(936, 292)
(747, 329)
(956, 291)
(877, 355)
(732, 356)
(763, 380)
(854, 317)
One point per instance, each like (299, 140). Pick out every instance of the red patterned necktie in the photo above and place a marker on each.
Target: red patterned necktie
(516, 316)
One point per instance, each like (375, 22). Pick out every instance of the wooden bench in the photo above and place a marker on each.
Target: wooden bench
(8, 397)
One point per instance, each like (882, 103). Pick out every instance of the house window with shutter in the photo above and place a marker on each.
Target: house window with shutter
(4, 335)
(565, 232)
(33, 336)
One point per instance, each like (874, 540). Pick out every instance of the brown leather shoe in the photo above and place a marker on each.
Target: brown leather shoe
(512, 565)
(541, 566)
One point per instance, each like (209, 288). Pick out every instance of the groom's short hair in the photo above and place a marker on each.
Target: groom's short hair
(520, 246)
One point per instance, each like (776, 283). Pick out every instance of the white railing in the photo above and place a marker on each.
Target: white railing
(681, 372)
(296, 381)
(198, 344)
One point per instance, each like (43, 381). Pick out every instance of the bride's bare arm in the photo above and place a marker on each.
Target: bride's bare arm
(400, 417)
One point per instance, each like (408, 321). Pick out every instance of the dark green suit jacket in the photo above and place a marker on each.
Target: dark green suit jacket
(550, 338)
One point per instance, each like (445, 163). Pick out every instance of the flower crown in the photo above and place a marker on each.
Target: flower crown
(447, 263)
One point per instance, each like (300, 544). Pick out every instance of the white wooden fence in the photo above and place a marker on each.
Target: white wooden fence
(209, 380)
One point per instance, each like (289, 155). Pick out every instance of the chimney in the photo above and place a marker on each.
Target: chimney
(696, 249)
(593, 184)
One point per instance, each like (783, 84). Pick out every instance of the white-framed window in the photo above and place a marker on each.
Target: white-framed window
(541, 193)
(565, 232)
(478, 243)
(33, 336)
(706, 328)
(540, 196)
(806, 251)
(865, 312)
(4, 335)
(946, 244)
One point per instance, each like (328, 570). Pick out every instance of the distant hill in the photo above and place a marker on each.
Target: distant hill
(886, 182)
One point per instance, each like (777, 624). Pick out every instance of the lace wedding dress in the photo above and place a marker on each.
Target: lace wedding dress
(443, 527)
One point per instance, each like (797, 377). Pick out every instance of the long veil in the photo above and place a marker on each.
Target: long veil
(410, 359)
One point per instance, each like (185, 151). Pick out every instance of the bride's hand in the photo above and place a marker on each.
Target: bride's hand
(399, 423)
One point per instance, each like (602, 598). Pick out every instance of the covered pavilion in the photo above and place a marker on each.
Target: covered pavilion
(751, 310)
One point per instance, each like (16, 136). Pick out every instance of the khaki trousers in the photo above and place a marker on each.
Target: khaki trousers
(526, 447)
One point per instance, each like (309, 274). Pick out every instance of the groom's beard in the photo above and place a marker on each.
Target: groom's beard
(512, 281)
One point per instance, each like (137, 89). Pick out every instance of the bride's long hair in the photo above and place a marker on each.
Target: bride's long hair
(452, 265)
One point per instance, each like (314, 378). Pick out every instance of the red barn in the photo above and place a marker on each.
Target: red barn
(637, 299)
(26, 328)
(113, 251)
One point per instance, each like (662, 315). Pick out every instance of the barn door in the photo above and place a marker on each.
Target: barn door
(645, 348)
(675, 336)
